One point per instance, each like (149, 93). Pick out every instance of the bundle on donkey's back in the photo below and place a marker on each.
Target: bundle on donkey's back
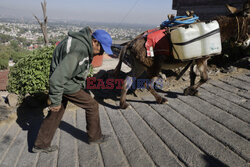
(138, 53)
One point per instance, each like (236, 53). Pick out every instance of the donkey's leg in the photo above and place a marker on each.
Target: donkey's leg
(202, 67)
(150, 88)
(119, 65)
(153, 73)
(192, 75)
(125, 87)
(135, 72)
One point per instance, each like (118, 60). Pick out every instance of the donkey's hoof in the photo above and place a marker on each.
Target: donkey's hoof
(196, 93)
(162, 101)
(186, 91)
(124, 105)
(191, 92)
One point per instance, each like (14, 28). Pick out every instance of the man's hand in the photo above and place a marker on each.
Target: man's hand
(55, 109)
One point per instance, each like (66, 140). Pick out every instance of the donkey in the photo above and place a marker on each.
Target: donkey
(234, 26)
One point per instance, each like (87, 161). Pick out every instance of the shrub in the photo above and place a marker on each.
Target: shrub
(31, 73)
(16, 56)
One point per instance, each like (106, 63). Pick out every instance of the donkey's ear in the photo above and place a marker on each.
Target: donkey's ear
(232, 9)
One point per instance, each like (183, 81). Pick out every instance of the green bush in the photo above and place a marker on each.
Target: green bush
(16, 56)
(31, 73)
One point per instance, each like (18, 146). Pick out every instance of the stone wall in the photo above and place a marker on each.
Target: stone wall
(3, 79)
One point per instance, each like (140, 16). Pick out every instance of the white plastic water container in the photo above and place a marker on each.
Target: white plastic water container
(210, 45)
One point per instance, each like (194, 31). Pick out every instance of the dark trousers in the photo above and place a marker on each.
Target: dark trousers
(53, 119)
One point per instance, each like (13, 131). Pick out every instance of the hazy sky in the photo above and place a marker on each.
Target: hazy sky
(119, 11)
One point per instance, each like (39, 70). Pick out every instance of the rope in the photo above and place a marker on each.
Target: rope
(179, 20)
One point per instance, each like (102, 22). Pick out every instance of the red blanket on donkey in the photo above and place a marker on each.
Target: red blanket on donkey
(157, 40)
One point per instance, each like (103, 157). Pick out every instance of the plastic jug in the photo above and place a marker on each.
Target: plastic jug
(204, 46)
(211, 44)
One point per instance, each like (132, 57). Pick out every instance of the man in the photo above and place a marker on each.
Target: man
(68, 73)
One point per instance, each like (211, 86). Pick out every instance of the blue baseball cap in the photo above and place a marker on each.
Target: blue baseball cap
(105, 40)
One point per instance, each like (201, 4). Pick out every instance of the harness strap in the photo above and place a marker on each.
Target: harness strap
(183, 71)
(240, 29)
(198, 38)
(238, 23)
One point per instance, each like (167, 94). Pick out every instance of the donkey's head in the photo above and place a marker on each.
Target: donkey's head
(235, 25)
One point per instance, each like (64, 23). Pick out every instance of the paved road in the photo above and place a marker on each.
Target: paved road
(205, 131)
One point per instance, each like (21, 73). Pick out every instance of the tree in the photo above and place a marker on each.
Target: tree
(44, 23)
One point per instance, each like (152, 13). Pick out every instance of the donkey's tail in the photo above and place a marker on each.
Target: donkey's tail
(119, 65)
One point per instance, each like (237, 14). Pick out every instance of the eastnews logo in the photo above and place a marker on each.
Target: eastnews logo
(133, 83)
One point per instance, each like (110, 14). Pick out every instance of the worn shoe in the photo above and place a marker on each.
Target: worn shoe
(45, 150)
(103, 139)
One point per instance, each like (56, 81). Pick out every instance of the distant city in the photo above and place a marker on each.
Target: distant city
(30, 30)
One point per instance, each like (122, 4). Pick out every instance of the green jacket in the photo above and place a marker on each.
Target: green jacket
(70, 65)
